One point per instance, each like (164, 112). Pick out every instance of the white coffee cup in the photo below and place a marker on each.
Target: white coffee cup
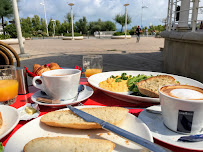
(61, 84)
(179, 114)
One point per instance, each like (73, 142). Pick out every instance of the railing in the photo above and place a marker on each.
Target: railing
(184, 14)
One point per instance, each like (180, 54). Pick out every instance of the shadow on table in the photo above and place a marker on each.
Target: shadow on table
(111, 62)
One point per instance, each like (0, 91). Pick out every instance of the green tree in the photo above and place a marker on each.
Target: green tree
(81, 25)
(6, 10)
(11, 30)
(68, 19)
(36, 23)
(64, 27)
(159, 28)
(26, 25)
(58, 27)
(132, 31)
(50, 27)
(43, 25)
(119, 18)
(108, 26)
(94, 26)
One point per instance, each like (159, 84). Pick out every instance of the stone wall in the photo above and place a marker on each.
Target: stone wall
(183, 54)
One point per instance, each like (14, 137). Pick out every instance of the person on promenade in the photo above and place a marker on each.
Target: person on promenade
(201, 25)
(138, 31)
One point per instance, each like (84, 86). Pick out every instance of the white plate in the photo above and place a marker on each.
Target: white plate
(162, 133)
(85, 94)
(10, 117)
(95, 79)
(28, 132)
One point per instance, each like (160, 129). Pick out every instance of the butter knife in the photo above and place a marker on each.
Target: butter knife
(121, 132)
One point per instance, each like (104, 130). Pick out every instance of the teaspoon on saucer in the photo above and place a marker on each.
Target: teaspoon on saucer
(154, 109)
(53, 101)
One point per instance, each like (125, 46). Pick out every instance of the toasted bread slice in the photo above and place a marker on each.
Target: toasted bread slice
(68, 144)
(150, 86)
(66, 118)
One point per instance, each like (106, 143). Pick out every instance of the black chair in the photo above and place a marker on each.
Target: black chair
(7, 54)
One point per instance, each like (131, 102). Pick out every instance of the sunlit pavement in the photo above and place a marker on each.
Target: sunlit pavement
(117, 54)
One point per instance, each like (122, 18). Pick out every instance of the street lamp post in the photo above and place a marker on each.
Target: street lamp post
(71, 4)
(45, 17)
(18, 28)
(54, 22)
(126, 19)
(142, 11)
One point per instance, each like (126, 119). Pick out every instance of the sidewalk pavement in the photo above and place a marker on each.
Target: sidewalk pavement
(123, 54)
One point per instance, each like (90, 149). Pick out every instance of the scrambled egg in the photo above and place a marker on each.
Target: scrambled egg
(111, 85)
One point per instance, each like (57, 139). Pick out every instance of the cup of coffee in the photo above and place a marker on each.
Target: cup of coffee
(61, 84)
(182, 108)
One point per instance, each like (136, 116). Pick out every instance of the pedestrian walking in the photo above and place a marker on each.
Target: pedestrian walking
(201, 25)
(138, 31)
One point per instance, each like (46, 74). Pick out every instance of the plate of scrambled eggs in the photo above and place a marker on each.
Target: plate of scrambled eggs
(122, 84)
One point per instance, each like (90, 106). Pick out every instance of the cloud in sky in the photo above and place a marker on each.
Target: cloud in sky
(95, 9)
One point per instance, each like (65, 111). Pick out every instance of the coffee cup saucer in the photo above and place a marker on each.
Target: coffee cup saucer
(162, 133)
(85, 94)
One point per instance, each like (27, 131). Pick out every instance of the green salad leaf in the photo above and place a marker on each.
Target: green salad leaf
(132, 83)
(1, 147)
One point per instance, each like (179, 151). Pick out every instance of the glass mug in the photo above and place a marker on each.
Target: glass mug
(8, 84)
(92, 64)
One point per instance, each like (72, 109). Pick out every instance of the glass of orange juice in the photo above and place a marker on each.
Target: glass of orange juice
(92, 64)
(8, 84)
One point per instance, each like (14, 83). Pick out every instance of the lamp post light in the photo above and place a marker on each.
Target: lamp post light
(18, 28)
(71, 4)
(54, 24)
(45, 17)
(142, 11)
(126, 19)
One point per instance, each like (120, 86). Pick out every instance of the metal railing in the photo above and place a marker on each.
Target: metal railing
(191, 10)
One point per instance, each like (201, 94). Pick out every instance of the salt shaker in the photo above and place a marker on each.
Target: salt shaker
(22, 80)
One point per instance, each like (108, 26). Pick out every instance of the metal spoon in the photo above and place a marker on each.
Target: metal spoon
(154, 109)
(80, 89)
(52, 101)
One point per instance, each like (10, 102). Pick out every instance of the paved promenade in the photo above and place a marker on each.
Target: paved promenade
(117, 54)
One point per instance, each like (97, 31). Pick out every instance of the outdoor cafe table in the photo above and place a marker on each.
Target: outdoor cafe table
(98, 99)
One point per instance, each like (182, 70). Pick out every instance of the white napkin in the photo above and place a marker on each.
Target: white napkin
(24, 115)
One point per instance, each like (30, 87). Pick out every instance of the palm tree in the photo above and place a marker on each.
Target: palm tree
(119, 18)
(6, 10)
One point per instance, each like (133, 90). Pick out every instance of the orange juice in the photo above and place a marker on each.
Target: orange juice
(8, 89)
(90, 72)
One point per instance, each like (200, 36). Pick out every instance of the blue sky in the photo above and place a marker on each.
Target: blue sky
(95, 9)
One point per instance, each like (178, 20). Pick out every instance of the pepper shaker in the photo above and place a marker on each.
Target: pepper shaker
(22, 81)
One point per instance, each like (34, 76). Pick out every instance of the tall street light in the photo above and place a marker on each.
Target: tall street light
(126, 19)
(18, 27)
(45, 17)
(54, 24)
(142, 11)
(71, 4)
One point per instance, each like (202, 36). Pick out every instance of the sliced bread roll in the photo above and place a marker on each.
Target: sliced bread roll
(68, 144)
(150, 86)
(66, 118)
